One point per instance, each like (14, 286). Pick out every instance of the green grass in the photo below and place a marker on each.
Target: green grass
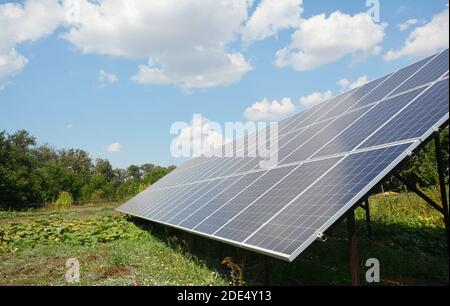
(113, 249)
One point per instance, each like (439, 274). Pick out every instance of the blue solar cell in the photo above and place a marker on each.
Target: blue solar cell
(416, 119)
(356, 96)
(366, 125)
(247, 220)
(323, 109)
(235, 205)
(307, 149)
(188, 210)
(301, 138)
(392, 83)
(299, 221)
(223, 197)
(167, 211)
(431, 72)
(288, 124)
(153, 206)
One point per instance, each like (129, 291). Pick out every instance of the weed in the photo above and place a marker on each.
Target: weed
(236, 270)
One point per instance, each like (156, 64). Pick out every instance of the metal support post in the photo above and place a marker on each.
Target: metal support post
(443, 189)
(368, 221)
(353, 247)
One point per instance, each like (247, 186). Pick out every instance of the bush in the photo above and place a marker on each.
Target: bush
(64, 200)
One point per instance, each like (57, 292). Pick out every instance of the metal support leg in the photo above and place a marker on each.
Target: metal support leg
(368, 221)
(353, 247)
(266, 271)
(440, 161)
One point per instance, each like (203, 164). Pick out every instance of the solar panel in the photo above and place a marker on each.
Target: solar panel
(330, 157)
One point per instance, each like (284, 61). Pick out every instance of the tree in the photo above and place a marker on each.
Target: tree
(134, 172)
(17, 179)
(103, 167)
(146, 168)
(120, 176)
(156, 174)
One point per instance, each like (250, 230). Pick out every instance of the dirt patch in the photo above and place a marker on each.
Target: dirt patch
(116, 272)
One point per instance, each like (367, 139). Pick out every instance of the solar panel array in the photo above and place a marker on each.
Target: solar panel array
(330, 156)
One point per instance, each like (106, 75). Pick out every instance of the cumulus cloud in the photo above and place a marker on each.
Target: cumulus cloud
(115, 147)
(214, 68)
(408, 23)
(186, 43)
(269, 110)
(424, 40)
(11, 63)
(25, 22)
(347, 85)
(270, 17)
(199, 137)
(106, 77)
(315, 98)
(320, 40)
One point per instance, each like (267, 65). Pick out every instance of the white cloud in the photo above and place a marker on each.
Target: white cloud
(106, 77)
(424, 40)
(11, 63)
(344, 83)
(269, 110)
(321, 40)
(114, 147)
(208, 137)
(25, 22)
(250, 3)
(214, 68)
(315, 98)
(408, 23)
(347, 85)
(186, 42)
(272, 16)
(69, 126)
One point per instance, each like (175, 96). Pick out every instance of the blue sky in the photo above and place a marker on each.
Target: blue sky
(51, 83)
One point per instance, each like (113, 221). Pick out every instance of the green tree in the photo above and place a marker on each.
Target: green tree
(103, 167)
(134, 172)
(17, 178)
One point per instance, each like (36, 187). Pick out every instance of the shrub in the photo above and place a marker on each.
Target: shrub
(64, 200)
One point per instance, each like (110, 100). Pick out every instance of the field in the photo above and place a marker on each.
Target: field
(408, 240)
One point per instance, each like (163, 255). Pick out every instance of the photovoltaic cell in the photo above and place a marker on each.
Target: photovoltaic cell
(359, 94)
(233, 190)
(309, 148)
(188, 210)
(431, 72)
(256, 189)
(299, 221)
(329, 156)
(416, 119)
(285, 190)
(326, 107)
(393, 82)
(300, 139)
(367, 124)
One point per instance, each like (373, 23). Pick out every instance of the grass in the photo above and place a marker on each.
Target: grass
(113, 249)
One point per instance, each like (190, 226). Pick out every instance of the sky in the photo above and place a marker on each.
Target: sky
(111, 77)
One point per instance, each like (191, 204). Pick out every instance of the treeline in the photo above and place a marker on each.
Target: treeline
(40, 174)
